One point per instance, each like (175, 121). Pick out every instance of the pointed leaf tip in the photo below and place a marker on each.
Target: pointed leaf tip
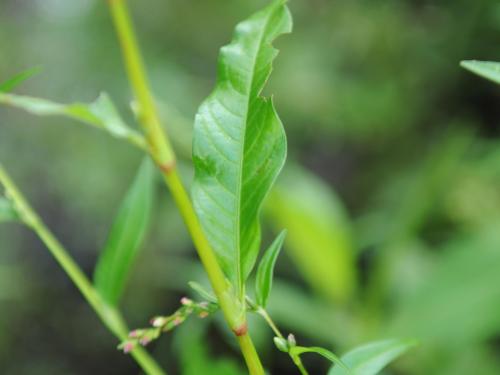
(486, 69)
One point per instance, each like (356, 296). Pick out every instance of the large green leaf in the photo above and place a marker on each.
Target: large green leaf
(319, 239)
(19, 78)
(239, 143)
(101, 114)
(486, 69)
(126, 236)
(371, 358)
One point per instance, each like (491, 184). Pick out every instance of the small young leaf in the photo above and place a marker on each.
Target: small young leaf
(209, 296)
(101, 114)
(264, 279)
(486, 69)
(126, 235)
(369, 359)
(239, 144)
(7, 211)
(298, 350)
(10, 84)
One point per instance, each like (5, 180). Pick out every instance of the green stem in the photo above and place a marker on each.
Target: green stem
(163, 154)
(109, 315)
(295, 358)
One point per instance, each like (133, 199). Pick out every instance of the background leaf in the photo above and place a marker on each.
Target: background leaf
(101, 114)
(486, 69)
(125, 236)
(319, 233)
(264, 278)
(7, 211)
(369, 359)
(11, 83)
(239, 143)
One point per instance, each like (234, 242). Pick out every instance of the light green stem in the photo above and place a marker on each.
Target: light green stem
(295, 358)
(163, 154)
(109, 315)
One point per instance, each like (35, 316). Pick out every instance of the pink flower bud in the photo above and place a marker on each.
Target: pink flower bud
(177, 321)
(144, 341)
(186, 301)
(128, 347)
(203, 314)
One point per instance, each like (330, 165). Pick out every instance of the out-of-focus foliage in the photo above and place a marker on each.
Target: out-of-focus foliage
(393, 201)
(126, 236)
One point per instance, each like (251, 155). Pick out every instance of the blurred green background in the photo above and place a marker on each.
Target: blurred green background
(391, 194)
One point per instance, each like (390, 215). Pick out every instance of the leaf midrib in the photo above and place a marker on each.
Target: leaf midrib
(241, 284)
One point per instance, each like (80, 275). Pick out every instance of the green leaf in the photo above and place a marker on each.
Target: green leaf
(19, 78)
(486, 69)
(461, 280)
(126, 235)
(319, 239)
(369, 359)
(264, 279)
(198, 288)
(298, 350)
(7, 211)
(101, 114)
(239, 143)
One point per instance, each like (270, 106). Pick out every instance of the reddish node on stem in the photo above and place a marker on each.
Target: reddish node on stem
(166, 168)
(241, 330)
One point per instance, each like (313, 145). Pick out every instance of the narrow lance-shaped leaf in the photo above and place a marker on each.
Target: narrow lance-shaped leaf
(338, 362)
(125, 236)
(19, 78)
(239, 143)
(264, 279)
(486, 69)
(101, 114)
(371, 358)
(7, 211)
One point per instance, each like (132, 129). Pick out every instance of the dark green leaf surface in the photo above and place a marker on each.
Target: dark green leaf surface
(264, 279)
(101, 114)
(370, 359)
(239, 143)
(7, 211)
(125, 236)
(486, 69)
(11, 83)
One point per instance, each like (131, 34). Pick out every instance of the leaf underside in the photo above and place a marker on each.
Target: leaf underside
(101, 114)
(126, 235)
(239, 144)
(486, 69)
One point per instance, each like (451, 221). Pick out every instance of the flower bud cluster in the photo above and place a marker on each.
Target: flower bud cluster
(160, 324)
